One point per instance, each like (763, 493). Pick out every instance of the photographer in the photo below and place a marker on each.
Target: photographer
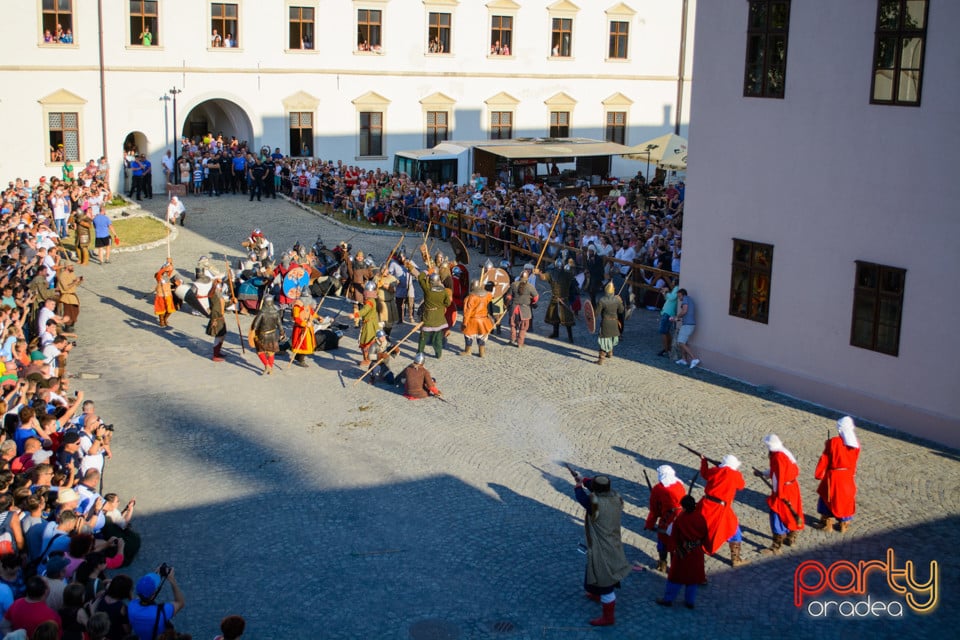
(149, 619)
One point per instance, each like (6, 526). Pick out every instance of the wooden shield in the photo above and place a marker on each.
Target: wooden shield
(589, 316)
(295, 282)
(459, 250)
(500, 280)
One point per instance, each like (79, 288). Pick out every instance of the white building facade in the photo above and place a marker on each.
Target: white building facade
(821, 233)
(354, 80)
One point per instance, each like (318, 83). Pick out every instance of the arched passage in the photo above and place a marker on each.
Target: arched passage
(218, 116)
(133, 145)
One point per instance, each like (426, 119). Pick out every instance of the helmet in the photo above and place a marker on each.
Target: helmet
(267, 300)
(457, 271)
(257, 233)
(381, 334)
(359, 255)
(488, 264)
(529, 267)
(504, 264)
(419, 358)
(370, 286)
(609, 288)
(434, 278)
(369, 261)
(476, 285)
(569, 265)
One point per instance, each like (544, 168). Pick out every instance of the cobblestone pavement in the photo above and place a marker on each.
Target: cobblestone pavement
(319, 509)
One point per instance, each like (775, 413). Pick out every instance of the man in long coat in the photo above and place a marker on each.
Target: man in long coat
(265, 333)
(664, 507)
(609, 313)
(217, 325)
(559, 311)
(303, 341)
(784, 501)
(688, 534)
(477, 324)
(606, 562)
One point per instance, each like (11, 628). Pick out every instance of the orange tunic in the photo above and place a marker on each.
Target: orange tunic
(303, 341)
(785, 500)
(722, 486)
(836, 470)
(476, 320)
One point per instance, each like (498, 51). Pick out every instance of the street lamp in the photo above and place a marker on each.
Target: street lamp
(650, 147)
(176, 174)
(165, 99)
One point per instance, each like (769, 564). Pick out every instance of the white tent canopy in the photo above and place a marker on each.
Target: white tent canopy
(668, 151)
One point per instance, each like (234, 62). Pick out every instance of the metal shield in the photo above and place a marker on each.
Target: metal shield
(589, 316)
(188, 293)
(500, 280)
(295, 282)
(460, 250)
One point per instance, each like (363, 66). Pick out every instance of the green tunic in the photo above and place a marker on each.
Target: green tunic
(435, 304)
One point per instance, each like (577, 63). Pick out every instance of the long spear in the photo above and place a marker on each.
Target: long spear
(236, 313)
(392, 349)
(546, 242)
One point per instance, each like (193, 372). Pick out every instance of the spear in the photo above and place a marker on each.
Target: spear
(392, 349)
(546, 241)
(236, 313)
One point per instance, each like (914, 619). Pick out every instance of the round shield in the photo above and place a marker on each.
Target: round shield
(589, 317)
(295, 282)
(500, 280)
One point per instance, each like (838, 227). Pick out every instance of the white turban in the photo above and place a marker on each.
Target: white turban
(730, 461)
(846, 426)
(774, 444)
(666, 475)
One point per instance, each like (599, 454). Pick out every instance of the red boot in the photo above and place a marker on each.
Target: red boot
(607, 619)
(593, 597)
(216, 353)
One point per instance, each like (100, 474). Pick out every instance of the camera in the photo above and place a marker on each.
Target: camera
(108, 427)
(164, 570)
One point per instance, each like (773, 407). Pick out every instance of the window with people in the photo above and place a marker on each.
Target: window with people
(561, 40)
(301, 28)
(438, 33)
(143, 22)
(224, 24)
(57, 21)
(301, 133)
(750, 280)
(369, 30)
(501, 35)
(63, 129)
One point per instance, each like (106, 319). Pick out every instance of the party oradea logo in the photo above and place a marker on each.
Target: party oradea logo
(866, 589)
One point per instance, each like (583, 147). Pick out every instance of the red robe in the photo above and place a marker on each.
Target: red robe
(786, 489)
(303, 341)
(722, 484)
(835, 471)
(685, 545)
(664, 507)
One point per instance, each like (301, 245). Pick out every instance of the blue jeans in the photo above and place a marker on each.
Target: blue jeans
(61, 227)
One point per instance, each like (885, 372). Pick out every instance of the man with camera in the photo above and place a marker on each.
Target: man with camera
(148, 618)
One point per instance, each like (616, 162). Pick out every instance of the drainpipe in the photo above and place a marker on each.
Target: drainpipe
(683, 56)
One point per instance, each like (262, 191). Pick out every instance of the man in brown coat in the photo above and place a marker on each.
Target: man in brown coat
(418, 383)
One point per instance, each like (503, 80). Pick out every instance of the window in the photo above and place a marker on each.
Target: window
(501, 35)
(618, 40)
(437, 127)
(438, 33)
(57, 21)
(64, 135)
(750, 280)
(301, 133)
(301, 28)
(877, 307)
(501, 125)
(559, 124)
(224, 24)
(143, 22)
(616, 127)
(562, 38)
(766, 68)
(371, 133)
(898, 52)
(368, 30)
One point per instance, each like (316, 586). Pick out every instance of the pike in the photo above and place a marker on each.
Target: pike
(235, 303)
(546, 242)
(303, 337)
(700, 455)
(396, 246)
(390, 352)
(647, 478)
(625, 281)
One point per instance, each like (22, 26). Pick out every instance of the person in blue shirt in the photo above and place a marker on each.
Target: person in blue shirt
(103, 234)
(145, 613)
(239, 173)
(136, 184)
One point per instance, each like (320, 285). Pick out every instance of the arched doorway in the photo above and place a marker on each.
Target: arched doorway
(134, 144)
(218, 116)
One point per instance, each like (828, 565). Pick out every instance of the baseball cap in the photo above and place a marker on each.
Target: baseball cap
(148, 584)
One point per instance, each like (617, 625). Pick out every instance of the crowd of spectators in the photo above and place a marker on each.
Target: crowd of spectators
(64, 540)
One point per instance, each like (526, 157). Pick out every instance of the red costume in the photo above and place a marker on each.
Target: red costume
(303, 341)
(716, 506)
(664, 507)
(785, 500)
(280, 272)
(687, 539)
(836, 470)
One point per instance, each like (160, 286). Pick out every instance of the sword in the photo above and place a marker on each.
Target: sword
(793, 512)
(236, 313)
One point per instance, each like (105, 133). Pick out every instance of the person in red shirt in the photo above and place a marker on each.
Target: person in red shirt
(784, 501)
(835, 471)
(688, 535)
(31, 611)
(716, 506)
(664, 507)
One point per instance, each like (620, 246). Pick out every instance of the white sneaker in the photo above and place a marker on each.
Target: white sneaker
(695, 362)
(682, 362)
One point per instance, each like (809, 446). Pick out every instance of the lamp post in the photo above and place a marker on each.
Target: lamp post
(165, 99)
(650, 147)
(176, 154)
